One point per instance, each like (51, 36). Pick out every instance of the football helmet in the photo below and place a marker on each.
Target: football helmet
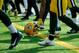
(30, 29)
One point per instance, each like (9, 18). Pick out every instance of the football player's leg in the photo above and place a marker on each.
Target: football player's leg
(17, 6)
(65, 19)
(13, 5)
(58, 28)
(4, 18)
(73, 13)
(77, 9)
(53, 21)
(69, 22)
(16, 36)
(26, 5)
(73, 10)
(26, 17)
(36, 10)
(47, 9)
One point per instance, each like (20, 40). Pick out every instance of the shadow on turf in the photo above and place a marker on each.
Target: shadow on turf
(69, 37)
(30, 39)
(3, 33)
(17, 21)
(37, 39)
(4, 41)
(3, 49)
(37, 49)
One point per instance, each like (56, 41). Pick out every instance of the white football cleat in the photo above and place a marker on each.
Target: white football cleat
(46, 43)
(42, 26)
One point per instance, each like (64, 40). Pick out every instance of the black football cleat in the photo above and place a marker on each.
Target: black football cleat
(25, 18)
(16, 37)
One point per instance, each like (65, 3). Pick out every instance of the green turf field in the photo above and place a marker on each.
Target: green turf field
(30, 44)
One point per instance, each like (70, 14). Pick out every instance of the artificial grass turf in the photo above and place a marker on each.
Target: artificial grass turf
(30, 44)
